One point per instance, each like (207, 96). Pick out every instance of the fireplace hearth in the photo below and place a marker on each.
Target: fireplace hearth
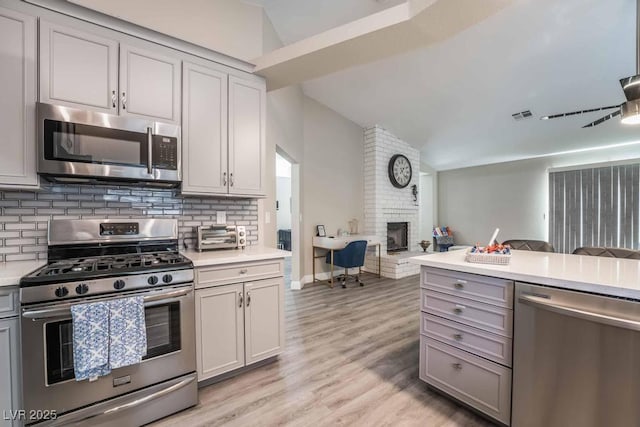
(397, 236)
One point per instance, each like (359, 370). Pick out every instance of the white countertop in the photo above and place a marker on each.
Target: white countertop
(607, 276)
(11, 272)
(229, 256)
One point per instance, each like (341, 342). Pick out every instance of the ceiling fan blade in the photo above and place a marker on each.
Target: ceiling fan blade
(574, 113)
(602, 119)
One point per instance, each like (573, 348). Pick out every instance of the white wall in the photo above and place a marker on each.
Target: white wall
(333, 174)
(426, 197)
(231, 27)
(512, 196)
(283, 192)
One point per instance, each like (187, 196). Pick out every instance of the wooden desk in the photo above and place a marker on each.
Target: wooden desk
(332, 244)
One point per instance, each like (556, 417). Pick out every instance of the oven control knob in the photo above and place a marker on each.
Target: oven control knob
(152, 280)
(82, 289)
(241, 233)
(61, 292)
(118, 284)
(167, 278)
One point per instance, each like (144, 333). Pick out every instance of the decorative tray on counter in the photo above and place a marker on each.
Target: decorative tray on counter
(495, 254)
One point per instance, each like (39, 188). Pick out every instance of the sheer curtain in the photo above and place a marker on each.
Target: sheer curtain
(595, 207)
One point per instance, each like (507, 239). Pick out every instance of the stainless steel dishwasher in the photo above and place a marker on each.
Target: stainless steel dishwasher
(576, 359)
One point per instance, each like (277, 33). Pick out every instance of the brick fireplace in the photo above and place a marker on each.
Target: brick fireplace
(386, 204)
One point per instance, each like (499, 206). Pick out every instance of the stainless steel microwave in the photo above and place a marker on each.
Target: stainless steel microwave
(86, 146)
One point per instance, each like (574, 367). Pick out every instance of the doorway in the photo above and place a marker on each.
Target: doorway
(287, 211)
(426, 212)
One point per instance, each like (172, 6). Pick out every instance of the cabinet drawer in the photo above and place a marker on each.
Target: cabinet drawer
(484, 385)
(487, 317)
(236, 273)
(479, 288)
(485, 344)
(8, 301)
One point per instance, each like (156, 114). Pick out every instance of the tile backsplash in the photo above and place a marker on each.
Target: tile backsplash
(24, 214)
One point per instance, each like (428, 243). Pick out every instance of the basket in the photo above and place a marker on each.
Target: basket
(478, 258)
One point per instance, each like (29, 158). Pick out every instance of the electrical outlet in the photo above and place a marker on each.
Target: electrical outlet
(221, 217)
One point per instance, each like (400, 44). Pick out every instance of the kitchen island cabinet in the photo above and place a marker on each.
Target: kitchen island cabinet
(467, 312)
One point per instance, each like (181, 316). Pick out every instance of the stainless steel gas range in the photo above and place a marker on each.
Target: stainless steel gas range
(100, 260)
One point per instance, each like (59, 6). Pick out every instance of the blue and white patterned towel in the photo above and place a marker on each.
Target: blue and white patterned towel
(128, 334)
(90, 340)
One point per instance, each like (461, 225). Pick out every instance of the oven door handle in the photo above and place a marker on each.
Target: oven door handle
(49, 313)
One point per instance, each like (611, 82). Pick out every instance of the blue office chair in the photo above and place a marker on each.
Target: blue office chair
(350, 257)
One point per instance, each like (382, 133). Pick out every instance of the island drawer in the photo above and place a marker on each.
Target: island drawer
(485, 344)
(480, 288)
(9, 301)
(480, 383)
(498, 320)
(237, 273)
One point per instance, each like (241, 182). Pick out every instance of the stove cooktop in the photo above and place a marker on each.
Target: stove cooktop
(95, 267)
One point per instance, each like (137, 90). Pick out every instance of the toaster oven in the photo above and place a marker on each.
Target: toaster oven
(209, 237)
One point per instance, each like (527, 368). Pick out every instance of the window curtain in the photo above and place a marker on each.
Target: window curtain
(595, 207)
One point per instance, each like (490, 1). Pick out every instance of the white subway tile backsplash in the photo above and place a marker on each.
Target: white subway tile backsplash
(24, 214)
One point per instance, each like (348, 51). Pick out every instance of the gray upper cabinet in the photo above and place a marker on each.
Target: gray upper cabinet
(223, 132)
(149, 84)
(204, 130)
(78, 69)
(246, 136)
(17, 103)
(90, 72)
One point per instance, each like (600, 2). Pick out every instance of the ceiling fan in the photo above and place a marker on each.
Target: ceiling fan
(629, 110)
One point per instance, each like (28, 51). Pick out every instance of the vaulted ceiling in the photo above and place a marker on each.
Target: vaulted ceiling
(454, 99)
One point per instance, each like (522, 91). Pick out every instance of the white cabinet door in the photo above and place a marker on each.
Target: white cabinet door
(219, 330)
(78, 69)
(246, 136)
(149, 84)
(204, 130)
(18, 100)
(264, 319)
(9, 370)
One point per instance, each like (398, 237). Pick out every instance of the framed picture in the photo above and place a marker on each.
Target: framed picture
(320, 231)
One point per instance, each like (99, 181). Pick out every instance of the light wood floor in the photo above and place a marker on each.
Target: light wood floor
(351, 360)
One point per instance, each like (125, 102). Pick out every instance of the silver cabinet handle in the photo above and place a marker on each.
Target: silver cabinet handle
(459, 309)
(149, 151)
(114, 98)
(241, 301)
(224, 179)
(457, 366)
(544, 304)
(124, 101)
(460, 284)
(244, 271)
(231, 179)
(457, 337)
(248, 298)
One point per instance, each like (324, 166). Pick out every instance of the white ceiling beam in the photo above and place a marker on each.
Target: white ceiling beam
(392, 31)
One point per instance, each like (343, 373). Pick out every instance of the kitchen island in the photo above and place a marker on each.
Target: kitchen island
(498, 337)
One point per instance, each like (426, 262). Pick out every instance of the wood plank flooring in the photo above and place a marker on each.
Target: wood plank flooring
(351, 360)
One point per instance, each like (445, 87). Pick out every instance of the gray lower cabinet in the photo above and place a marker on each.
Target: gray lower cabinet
(18, 101)
(10, 371)
(466, 341)
(237, 324)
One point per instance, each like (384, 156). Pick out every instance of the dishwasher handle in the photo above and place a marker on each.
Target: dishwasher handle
(544, 303)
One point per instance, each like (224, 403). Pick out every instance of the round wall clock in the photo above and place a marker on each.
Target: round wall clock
(400, 171)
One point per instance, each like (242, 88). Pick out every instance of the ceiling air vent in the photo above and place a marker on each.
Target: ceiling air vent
(522, 115)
